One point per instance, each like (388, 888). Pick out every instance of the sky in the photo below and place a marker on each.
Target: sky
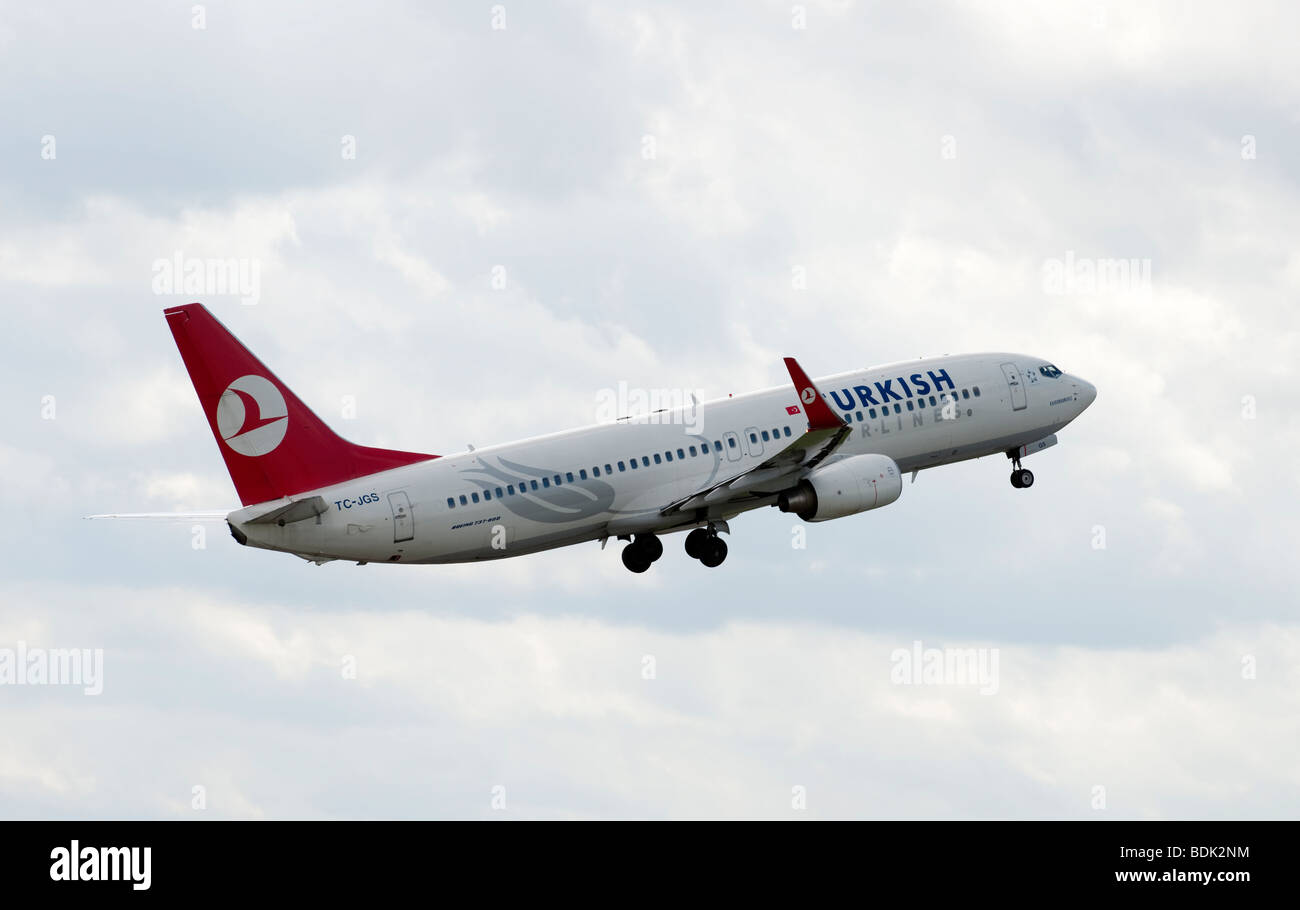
(469, 222)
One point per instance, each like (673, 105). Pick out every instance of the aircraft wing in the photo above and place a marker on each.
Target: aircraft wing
(826, 432)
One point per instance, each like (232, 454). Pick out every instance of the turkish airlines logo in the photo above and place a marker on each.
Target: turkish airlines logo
(251, 416)
(807, 395)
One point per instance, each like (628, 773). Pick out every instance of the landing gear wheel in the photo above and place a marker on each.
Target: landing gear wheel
(714, 552)
(635, 558)
(695, 542)
(1020, 477)
(651, 546)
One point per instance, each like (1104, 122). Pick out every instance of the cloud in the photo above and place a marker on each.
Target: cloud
(720, 723)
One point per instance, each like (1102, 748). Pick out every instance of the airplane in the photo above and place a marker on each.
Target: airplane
(819, 449)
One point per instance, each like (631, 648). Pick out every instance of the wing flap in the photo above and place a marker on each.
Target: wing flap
(826, 432)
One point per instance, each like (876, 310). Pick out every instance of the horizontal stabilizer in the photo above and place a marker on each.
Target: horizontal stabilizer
(298, 510)
(210, 515)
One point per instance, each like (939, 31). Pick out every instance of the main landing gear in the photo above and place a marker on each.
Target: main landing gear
(705, 545)
(1021, 478)
(642, 551)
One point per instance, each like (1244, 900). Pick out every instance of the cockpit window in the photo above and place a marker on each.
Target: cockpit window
(1050, 371)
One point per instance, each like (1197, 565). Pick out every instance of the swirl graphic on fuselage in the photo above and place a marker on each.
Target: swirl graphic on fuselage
(554, 504)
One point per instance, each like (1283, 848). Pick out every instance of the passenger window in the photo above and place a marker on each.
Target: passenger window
(463, 501)
(909, 405)
(645, 462)
(717, 446)
(451, 502)
(976, 390)
(473, 496)
(872, 413)
(753, 438)
(766, 438)
(787, 429)
(557, 480)
(965, 393)
(859, 416)
(533, 484)
(510, 489)
(898, 409)
(693, 453)
(620, 465)
(932, 401)
(546, 482)
(582, 475)
(499, 493)
(681, 454)
(608, 469)
(487, 494)
(668, 455)
(658, 460)
(568, 475)
(633, 464)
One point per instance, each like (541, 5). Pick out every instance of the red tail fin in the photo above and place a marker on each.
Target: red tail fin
(273, 444)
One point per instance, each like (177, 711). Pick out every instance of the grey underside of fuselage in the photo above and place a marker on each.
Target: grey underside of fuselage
(697, 517)
(663, 525)
(980, 449)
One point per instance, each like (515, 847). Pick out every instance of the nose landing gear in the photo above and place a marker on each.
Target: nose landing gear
(1021, 478)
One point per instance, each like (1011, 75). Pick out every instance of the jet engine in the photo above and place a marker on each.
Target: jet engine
(845, 487)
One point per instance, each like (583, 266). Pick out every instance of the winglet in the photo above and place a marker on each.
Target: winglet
(820, 415)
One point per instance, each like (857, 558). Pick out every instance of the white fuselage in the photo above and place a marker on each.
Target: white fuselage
(506, 500)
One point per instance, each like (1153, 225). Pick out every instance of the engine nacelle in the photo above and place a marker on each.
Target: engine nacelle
(854, 484)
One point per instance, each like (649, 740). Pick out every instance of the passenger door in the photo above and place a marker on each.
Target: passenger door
(1012, 373)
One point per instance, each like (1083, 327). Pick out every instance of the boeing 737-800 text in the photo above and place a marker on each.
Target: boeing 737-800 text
(821, 449)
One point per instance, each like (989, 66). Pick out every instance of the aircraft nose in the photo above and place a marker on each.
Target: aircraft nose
(1087, 392)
